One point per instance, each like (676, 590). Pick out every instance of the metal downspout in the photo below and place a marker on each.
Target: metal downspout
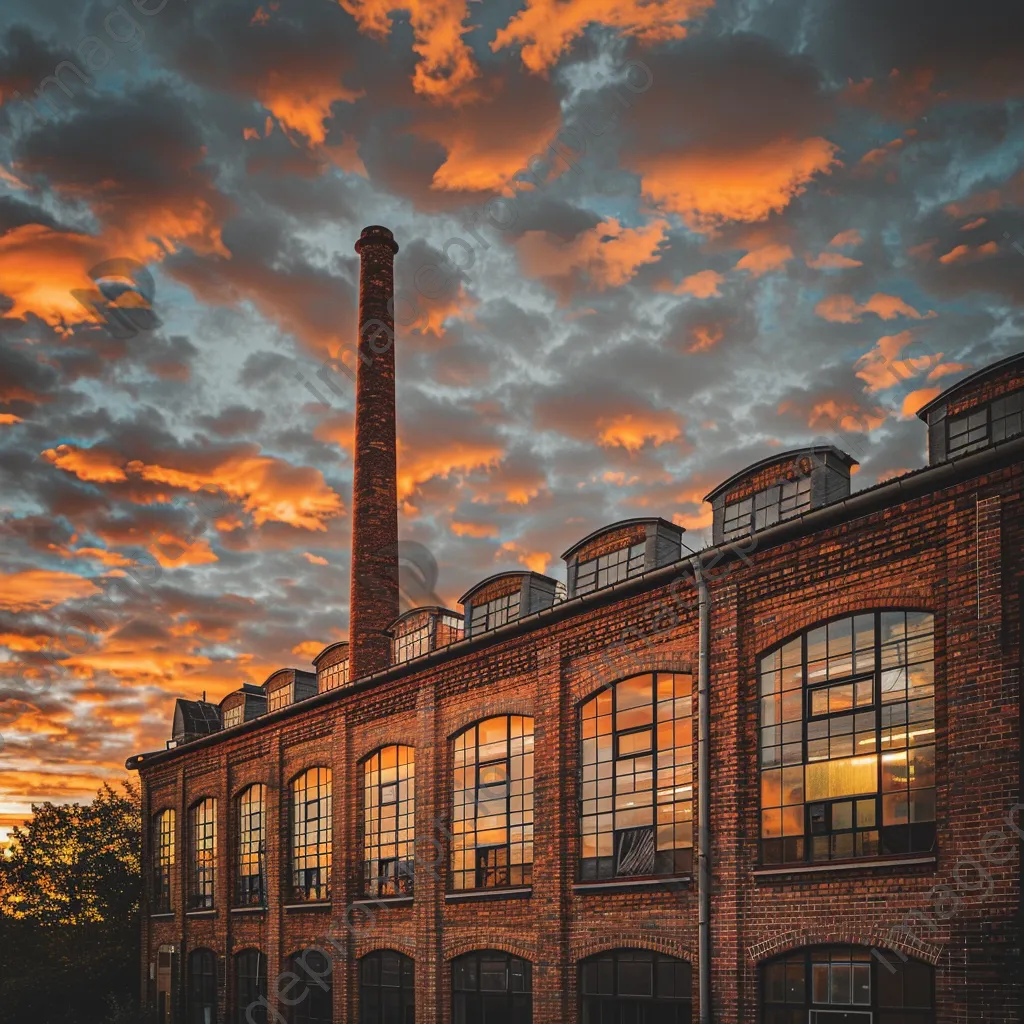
(703, 796)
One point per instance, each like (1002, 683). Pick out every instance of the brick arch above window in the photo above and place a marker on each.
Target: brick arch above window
(398, 740)
(595, 944)
(482, 942)
(519, 706)
(588, 676)
(309, 768)
(386, 943)
(775, 946)
(798, 617)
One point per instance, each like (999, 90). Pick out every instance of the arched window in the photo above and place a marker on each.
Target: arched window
(389, 797)
(311, 835)
(848, 985)
(250, 879)
(625, 986)
(492, 817)
(202, 987)
(250, 987)
(386, 988)
(203, 869)
(163, 859)
(309, 1000)
(636, 783)
(491, 986)
(847, 740)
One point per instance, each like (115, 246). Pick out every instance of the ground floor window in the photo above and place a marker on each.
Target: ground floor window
(634, 986)
(386, 988)
(202, 987)
(250, 987)
(847, 985)
(489, 987)
(310, 998)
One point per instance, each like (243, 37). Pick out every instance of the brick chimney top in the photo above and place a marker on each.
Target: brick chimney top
(375, 234)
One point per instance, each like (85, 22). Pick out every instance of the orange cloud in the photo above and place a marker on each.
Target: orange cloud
(173, 552)
(944, 369)
(633, 430)
(702, 285)
(969, 253)
(417, 465)
(303, 103)
(844, 309)
(827, 414)
(477, 530)
(831, 261)
(765, 259)
(314, 559)
(97, 465)
(708, 189)
(8, 418)
(705, 336)
(546, 28)
(38, 589)
(845, 238)
(308, 649)
(607, 254)
(976, 223)
(537, 561)
(446, 65)
(881, 367)
(916, 399)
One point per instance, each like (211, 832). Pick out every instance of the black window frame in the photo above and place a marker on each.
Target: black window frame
(250, 888)
(316, 1004)
(202, 875)
(967, 446)
(399, 879)
(310, 874)
(608, 1005)
(250, 988)
(885, 970)
(164, 857)
(623, 563)
(816, 845)
(496, 612)
(783, 500)
(471, 1002)
(374, 992)
(201, 989)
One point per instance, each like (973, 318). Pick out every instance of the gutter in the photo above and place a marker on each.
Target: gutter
(703, 795)
(863, 503)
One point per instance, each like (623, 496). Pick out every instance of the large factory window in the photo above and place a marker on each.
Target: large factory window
(624, 986)
(636, 783)
(202, 987)
(389, 821)
(163, 860)
(251, 839)
(250, 987)
(311, 835)
(203, 866)
(847, 740)
(492, 813)
(309, 1002)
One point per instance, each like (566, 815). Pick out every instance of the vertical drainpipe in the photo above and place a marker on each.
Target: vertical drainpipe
(703, 796)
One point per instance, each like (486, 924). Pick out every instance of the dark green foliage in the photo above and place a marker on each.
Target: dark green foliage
(69, 913)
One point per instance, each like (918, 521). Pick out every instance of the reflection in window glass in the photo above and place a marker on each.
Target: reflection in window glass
(163, 860)
(627, 985)
(493, 804)
(386, 988)
(389, 779)
(252, 846)
(203, 826)
(311, 835)
(492, 987)
(607, 569)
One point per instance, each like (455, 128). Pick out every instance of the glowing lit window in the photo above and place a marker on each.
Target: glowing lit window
(333, 676)
(492, 614)
(163, 860)
(250, 884)
(203, 829)
(493, 804)
(234, 716)
(279, 698)
(389, 802)
(311, 835)
(636, 785)
(847, 740)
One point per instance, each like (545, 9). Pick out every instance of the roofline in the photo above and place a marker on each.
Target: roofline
(287, 668)
(498, 575)
(329, 647)
(618, 526)
(873, 499)
(779, 457)
(971, 378)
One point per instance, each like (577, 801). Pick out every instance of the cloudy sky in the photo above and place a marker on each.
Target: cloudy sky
(728, 228)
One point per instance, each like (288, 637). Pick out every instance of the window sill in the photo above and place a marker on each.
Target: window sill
(847, 865)
(383, 901)
(309, 905)
(248, 910)
(478, 895)
(636, 885)
(162, 915)
(210, 912)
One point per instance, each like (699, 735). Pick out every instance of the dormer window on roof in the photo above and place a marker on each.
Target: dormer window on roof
(242, 705)
(778, 488)
(620, 552)
(505, 598)
(983, 409)
(332, 666)
(192, 720)
(288, 686)
(420, 630)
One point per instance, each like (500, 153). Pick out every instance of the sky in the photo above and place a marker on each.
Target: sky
(643, 245)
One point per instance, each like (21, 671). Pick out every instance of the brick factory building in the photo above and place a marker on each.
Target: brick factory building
(778, 780)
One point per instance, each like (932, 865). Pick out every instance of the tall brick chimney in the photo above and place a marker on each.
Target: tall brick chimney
(373, 604)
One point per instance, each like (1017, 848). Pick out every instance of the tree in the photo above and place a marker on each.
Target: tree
(69, 911)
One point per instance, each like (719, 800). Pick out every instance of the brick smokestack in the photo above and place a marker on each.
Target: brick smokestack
(373, 604)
